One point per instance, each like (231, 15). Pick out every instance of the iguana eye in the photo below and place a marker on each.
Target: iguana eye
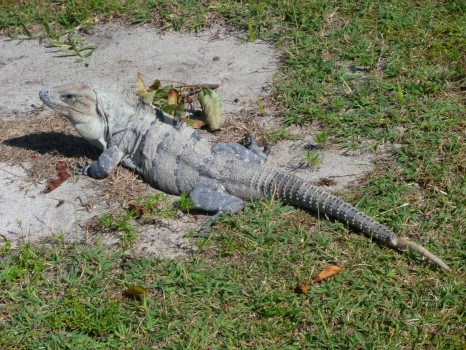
(67, 97)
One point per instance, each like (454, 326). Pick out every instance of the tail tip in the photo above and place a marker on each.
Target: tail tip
(402, 244)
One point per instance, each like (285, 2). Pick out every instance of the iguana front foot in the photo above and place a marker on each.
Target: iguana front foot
(80, 169)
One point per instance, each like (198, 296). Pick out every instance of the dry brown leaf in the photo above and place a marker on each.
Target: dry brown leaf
(63, 175)
(155, 85)
(172, 98)
(141, 88)
(326, 273)
(136, 209)
(300, 288)
(197, 124)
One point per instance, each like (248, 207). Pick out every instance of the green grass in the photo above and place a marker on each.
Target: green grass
(313, 158)
(367, 73)
(237, 292)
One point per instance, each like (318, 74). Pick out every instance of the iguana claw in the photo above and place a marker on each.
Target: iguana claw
(80, 169)
(250, 142)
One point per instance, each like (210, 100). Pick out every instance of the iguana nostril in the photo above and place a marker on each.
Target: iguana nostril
(44, 93)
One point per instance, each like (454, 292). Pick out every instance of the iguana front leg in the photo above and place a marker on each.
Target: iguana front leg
(101, 168)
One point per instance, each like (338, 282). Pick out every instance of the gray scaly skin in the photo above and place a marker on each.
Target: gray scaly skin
(171, 156)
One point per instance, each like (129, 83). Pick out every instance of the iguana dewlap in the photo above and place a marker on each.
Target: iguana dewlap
(171, 156)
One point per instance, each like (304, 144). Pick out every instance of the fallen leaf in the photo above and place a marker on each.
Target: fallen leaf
(149, 97)
(212, 107)
(169, 109)
(300, 288)
(62, 168)
(179, 110)
(141, 88)
(160, 96)
(326, 273)
(136, 292)
(172, 98)
(196, 124)
(136, 209)
(63, 174)
(155, 85)
(325, 181)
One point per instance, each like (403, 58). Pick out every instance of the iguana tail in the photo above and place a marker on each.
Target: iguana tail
(268, 182)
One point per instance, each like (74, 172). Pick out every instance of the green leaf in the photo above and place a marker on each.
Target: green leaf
(88, 47)
(212, 107)
(179, 110)
(47, 28)
(87, 54)
(261, 108)
(70, 52)
(25, 29)
(149, 97)
(136, 292)
(251, 32)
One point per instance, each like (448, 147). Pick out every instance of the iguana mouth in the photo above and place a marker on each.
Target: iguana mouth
(46, 97)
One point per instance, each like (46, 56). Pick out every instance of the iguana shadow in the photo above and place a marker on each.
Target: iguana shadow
(57, 143)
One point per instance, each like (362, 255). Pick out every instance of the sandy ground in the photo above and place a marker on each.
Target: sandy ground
(244, 70)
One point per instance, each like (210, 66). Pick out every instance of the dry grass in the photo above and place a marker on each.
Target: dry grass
(234, 129)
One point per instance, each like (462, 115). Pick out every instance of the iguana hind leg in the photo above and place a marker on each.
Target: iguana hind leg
(251, 153)
(251, 144)
(211, 196)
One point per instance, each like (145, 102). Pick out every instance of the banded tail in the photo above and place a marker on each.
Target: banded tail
(267, 182)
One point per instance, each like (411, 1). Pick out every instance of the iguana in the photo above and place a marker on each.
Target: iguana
(171, 156)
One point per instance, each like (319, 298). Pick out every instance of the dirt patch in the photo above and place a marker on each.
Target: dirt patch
(29, 151)
(33, 140)
(243, 69)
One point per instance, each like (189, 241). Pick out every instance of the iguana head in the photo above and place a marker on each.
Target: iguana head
(79, 103)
